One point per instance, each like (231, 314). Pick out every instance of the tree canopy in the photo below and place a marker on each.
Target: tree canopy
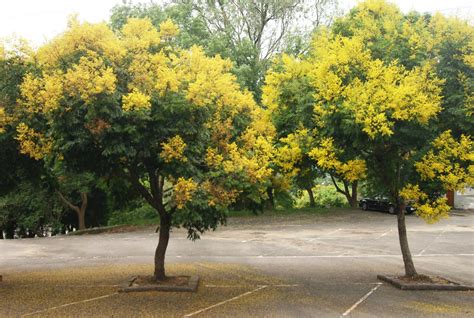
(378, 108)
(172, 121)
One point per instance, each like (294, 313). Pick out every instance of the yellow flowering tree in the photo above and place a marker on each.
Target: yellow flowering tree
(306, 147)
(26, 201)
(377, 71)
(171, 121)
(377, 109)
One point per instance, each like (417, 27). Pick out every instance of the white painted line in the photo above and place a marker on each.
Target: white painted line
(348, 311)
(247, 286)
(431, 244)
(70, 304)
(325, 236)
(225, 301)
(383, 234)
(228, 286)
(349, 256)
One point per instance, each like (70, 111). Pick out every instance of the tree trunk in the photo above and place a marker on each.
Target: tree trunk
(165, 225)
(81, 217)
(271, 198)
(410, 270)
(312, 203)
(351, 195)
(80, 211)
(353, 199)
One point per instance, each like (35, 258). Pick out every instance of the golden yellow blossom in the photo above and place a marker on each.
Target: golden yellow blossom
(168, 29)
(140, 34)
(41, 95)
(219, 196)
(412, 193)
(183, 191)
(291, 153)
(433, 211)
(89, 78)
(325, 156)
(85, 38)
(4, 119)
(33, 143)
(135, 101)
(213, 158)
(293, 69)
(376, 95)
(173, 149)
(450, 162)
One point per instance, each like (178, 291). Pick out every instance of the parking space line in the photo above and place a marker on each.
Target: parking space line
(360, 301)
(382, 235)
(246, 286)
(324, 236)
(69, 304)
(347, 256)
(432, 243)
(225, 301)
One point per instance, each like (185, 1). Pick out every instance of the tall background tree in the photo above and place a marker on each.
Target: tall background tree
(248, 32)
(304, 150)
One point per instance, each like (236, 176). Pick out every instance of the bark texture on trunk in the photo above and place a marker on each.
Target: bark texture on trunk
(154, 196)
(410, 270)
(312, 203)
(165, 225)
(353, 198)
(80, 211)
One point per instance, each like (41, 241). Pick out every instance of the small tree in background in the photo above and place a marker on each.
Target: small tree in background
(307, 148)
(72, 188)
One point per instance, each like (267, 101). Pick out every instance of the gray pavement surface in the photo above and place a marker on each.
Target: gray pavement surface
(326, 265)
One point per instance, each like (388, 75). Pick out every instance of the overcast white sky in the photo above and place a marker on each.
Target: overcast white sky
(38, 20)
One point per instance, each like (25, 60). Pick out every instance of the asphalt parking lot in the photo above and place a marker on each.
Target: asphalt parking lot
(267, 266)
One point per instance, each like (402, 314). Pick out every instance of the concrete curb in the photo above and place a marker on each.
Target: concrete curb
(400, 284)
(191, 287)
(100, 230)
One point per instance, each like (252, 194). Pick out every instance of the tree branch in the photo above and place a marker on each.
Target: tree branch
(135, 181)
(67, 202)
(335, 184)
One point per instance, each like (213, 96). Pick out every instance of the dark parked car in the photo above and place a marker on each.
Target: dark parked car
(382, 204)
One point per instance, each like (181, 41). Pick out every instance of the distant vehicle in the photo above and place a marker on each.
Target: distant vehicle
(382, 204)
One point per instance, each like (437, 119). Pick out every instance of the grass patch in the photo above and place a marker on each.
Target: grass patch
(139, 214)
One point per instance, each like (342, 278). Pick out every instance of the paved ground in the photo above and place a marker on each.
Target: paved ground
(268, 266)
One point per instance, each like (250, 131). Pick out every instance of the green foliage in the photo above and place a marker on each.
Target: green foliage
(137, 212)
(30, 206)
(250, 33)
(325, 196)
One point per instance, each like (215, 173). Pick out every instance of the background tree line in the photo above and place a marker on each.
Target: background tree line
(195, 108)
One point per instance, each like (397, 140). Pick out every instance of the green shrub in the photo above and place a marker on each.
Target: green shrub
(325, 196)
(137, 213)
